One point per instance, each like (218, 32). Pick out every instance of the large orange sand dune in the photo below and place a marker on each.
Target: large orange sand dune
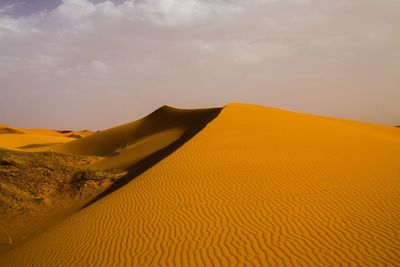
(256, 187)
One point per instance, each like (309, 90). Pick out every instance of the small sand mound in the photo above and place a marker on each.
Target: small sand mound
(75, 134)
(6, 130)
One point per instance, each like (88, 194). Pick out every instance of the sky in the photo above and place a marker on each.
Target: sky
(80, 64)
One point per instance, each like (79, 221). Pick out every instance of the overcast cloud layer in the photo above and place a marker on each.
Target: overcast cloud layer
(81, 64)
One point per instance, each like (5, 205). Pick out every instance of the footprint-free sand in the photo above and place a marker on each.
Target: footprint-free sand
(34, 140)
(256, 187)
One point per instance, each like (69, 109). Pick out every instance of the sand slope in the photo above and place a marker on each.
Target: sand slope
(257, 187)
(125, 145)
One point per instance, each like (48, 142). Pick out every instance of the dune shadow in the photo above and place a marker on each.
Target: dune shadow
(149, 161)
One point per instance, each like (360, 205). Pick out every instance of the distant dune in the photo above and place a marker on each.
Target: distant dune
(35, 139)
(7, 130)
(255, 186)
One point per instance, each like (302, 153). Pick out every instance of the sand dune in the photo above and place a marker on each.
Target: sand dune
(256, 187)
(8, 130)
(126, 145)
(35, 139)
(75, 134)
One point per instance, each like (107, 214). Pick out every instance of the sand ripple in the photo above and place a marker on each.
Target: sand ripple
(256, 187)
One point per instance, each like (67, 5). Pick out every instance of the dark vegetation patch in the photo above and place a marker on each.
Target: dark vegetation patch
(35, 185)
(64, 131)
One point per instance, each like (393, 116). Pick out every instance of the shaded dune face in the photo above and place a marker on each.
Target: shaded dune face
(128, 144)
(256, 187)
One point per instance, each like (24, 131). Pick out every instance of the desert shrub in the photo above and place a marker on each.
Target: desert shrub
(80, 178)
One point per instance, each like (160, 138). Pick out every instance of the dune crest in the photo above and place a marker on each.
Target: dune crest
(124, 146)
(256, 187)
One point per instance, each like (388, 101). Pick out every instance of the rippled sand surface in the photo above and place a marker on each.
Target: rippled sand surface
(256, 187)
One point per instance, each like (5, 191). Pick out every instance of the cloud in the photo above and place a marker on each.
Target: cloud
(198, 53)
(99, 66)
(4, 9)
(175, 12)
(75, 9)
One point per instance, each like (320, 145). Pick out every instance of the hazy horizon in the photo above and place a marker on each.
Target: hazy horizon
(79, 64)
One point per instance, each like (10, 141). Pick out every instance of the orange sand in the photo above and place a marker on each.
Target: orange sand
(43, 139)
(125, 145)
(258, 186)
